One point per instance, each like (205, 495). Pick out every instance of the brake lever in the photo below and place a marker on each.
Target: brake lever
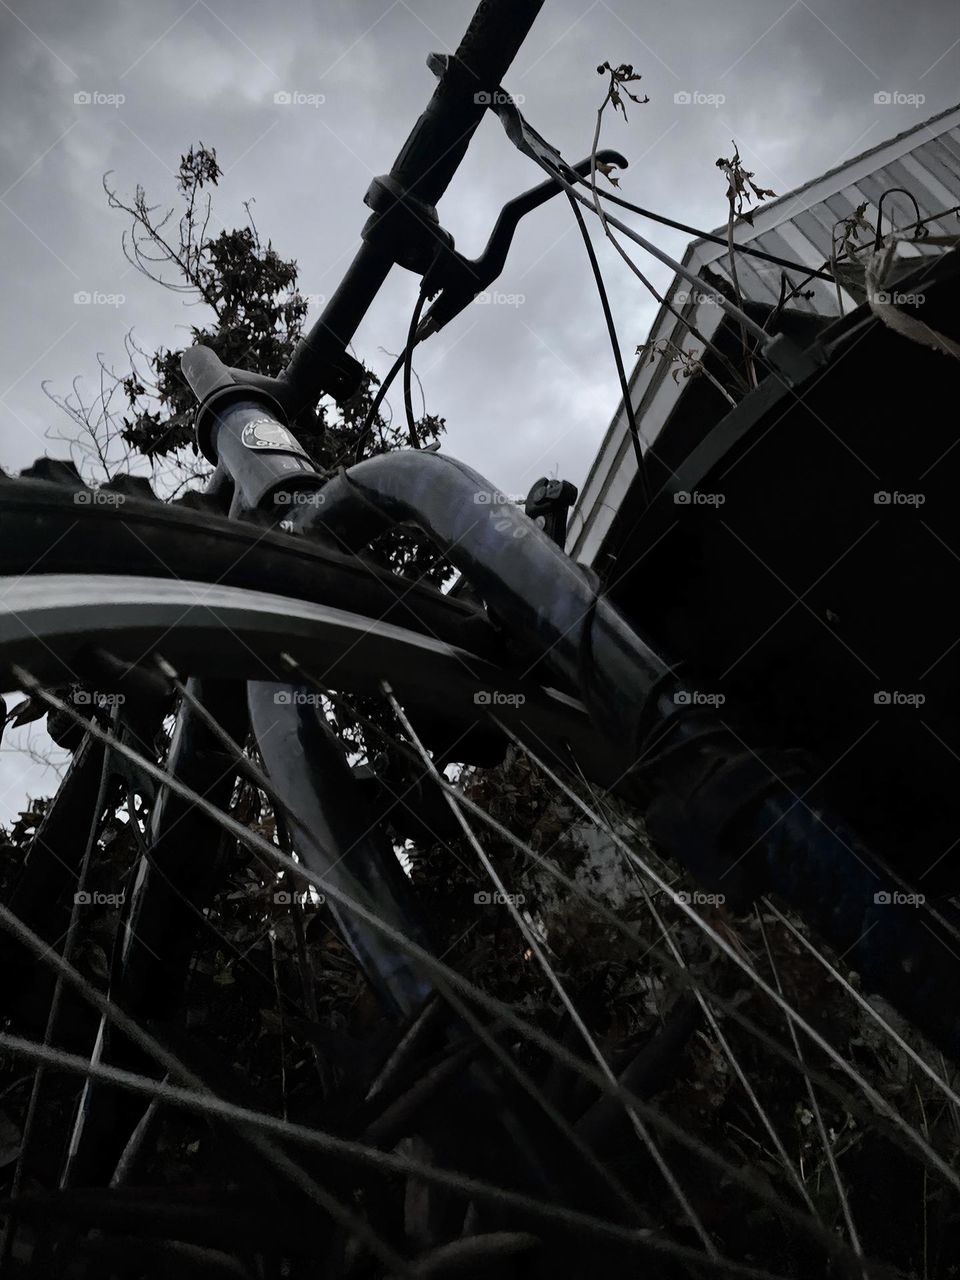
(457, 279)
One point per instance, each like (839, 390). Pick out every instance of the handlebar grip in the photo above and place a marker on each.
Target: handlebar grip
(205, 371)
(494, 36)
(436, 145)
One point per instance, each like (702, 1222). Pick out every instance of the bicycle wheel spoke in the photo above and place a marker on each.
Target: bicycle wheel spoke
(650, 949)
(210, 1105)
(361, 1154)
(948, 1092)
(794, 1059)
(731, 1057)
(815, 1108)
(708, 1012)
(53, 1013)
(533, 943)
(900, 1131)
(877, 1100)
(129, 1027)
(434, 968)
(521, 1077)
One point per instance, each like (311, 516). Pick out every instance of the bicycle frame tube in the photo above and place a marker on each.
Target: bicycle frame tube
(739, 823)
(550, 603)
(333, 836)
(423, 170)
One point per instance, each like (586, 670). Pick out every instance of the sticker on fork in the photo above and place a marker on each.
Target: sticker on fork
(266, 433)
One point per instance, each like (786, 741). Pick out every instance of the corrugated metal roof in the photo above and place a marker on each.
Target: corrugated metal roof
(931, 171)
(925, 126)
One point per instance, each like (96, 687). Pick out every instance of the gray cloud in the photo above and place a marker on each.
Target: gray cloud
(526, 389)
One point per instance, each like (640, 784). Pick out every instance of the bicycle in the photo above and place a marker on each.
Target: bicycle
(247, 632)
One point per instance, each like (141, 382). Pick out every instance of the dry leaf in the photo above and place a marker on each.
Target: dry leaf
(26, 712)
(609, 172)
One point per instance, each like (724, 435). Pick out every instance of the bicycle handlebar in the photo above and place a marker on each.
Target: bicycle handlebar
(424, 168)
(438, 141)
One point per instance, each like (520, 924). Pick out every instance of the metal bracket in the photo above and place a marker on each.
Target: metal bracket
(794, 363)
(405, 227)
(549, 503)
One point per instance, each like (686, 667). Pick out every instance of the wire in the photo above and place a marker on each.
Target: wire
(732, 310)
(893, 191)
(378, 401)
(859, 248)
(617, 355)
(705, 235)
(735, 312)
(403, 361)
(408, 366)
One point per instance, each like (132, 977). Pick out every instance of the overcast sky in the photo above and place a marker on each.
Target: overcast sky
(527, 387)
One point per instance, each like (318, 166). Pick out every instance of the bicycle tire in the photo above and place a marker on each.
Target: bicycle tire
(77, 570)
(50, 522)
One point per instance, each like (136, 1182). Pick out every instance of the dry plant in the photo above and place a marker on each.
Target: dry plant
(741, 191)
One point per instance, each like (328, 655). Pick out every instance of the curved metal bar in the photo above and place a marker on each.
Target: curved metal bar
(733, 819)
(549, 602)
(917, 226)
(209, 629)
